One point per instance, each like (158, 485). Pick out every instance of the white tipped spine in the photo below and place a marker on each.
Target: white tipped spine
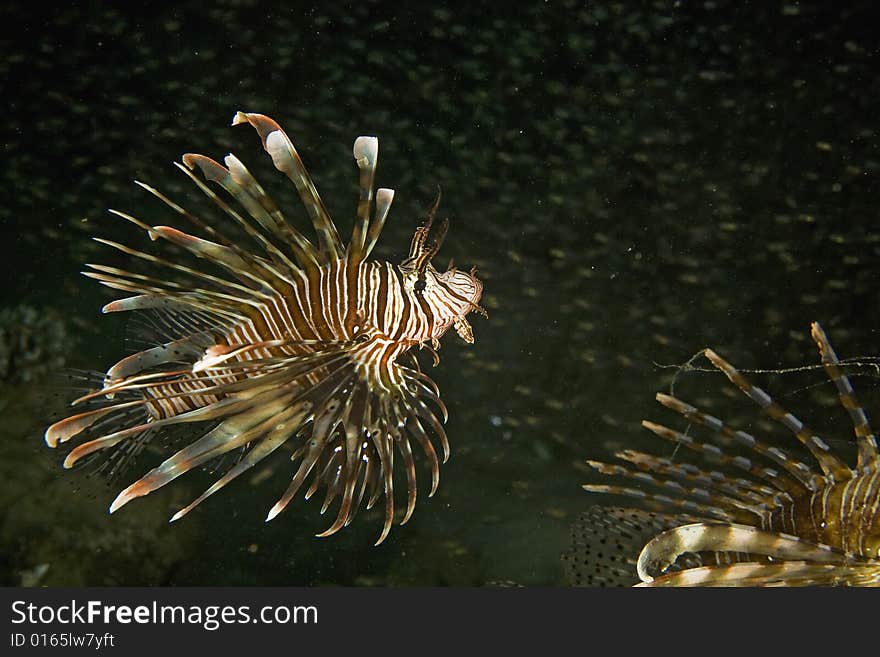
(366, 152)
(384, 198)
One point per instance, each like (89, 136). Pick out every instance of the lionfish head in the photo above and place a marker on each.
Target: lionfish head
(453, 293)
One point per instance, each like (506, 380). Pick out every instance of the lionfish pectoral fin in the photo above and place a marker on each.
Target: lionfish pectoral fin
(65, 429)
(830, 464)
(589, 561)
(785, 573)
(357, 426)
(252, 423)
(663, 550)
(333, 430)
(273, 433)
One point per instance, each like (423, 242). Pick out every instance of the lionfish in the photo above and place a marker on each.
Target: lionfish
(282, 340)
(784, 522)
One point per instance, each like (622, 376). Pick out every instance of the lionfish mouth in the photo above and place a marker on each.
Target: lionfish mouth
(281, 342)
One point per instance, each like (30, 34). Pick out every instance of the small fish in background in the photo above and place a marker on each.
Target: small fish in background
(784, 522)
(267, 337)
(31, 577)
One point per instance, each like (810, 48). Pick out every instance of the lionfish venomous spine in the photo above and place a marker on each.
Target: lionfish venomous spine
(784, 523)
(282, 340)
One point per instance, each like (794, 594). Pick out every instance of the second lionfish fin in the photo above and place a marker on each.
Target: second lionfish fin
(831, 465)
(287, 160)
(659, 502)
(802, 478)
(690, 499)
(786, 573)
(763, 497)
(664, 549)
(865, 440)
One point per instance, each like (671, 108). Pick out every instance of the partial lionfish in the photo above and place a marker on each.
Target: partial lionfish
(783, 523)
(282, 340)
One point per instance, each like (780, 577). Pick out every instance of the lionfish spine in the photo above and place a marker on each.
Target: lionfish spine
(282, 341)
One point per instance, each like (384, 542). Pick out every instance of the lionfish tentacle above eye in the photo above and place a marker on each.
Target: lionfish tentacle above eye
(782, 523)
(274, 340)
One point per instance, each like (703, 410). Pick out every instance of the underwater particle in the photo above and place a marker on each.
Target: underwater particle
(783, 522)
(283, 340)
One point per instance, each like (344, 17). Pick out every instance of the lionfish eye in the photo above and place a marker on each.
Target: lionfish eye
(420, 285)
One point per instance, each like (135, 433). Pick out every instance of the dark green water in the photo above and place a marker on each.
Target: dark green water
(634, 180)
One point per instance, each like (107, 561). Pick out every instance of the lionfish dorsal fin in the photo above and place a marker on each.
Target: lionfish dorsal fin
(865, 440)
(366, 154)
(831, 465)
(384, 197)
(287, 160)
(240, 184)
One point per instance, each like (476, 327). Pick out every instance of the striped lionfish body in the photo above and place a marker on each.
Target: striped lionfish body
(287, 341)
(784, 522)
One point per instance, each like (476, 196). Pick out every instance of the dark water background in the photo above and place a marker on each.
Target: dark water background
(635, 180)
